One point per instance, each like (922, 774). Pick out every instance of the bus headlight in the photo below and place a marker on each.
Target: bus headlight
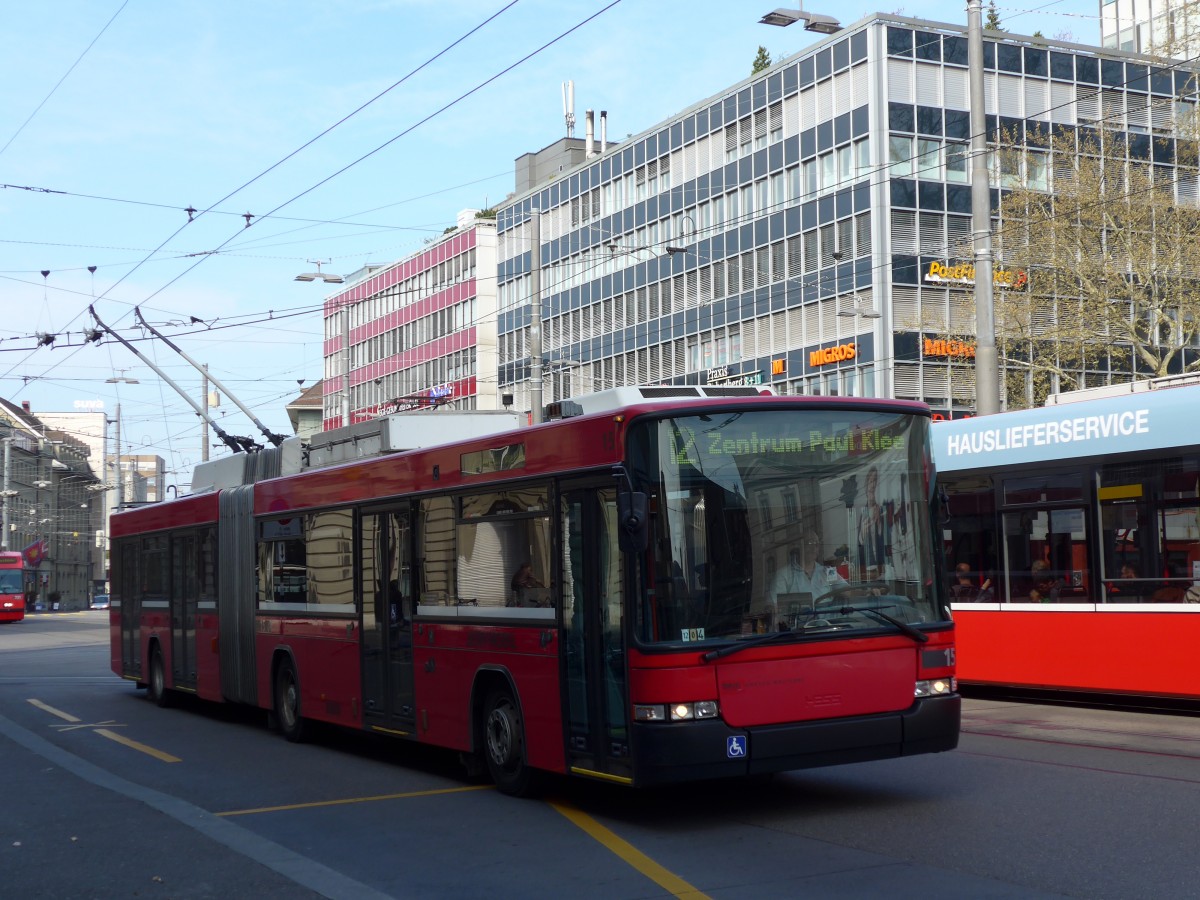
(676, 712)
(936, 687)
(649, 713)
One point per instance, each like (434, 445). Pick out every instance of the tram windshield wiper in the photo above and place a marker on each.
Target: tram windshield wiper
(915, 633)
(755, 642)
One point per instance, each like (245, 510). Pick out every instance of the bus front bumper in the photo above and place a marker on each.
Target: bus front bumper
(686, 751)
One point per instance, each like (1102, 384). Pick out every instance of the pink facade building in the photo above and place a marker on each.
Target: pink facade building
(422, 331)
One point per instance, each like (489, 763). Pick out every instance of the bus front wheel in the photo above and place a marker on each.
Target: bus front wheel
(156, 687)
(504, 744)
(287, 703)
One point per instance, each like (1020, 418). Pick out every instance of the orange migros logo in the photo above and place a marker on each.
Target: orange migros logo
(941, 347)
(827, 355)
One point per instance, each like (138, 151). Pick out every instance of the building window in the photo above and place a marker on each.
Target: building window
(900, 156)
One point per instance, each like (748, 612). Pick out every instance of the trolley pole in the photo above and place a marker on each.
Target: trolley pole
(987, 360)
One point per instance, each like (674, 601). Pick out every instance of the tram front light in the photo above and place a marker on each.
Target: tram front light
(936, 687)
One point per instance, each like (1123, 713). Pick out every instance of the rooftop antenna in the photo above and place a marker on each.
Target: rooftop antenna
(275, 439)
(568, 98)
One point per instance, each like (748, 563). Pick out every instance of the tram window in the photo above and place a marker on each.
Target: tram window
(1043, 488)
(1182, 482)
(1046, 556)
(1179, 534)
(969, 533)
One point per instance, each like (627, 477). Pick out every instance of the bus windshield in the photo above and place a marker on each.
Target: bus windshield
(807, 521)
(10, 581)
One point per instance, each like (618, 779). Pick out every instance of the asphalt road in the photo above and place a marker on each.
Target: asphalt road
(105, 795)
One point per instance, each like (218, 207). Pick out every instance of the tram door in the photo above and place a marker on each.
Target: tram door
(388, 604)
(593, 644)
(184, 591)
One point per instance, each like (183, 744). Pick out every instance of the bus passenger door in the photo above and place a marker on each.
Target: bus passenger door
(183, 611)
(388, 605)
(593, 641)
(128, 584)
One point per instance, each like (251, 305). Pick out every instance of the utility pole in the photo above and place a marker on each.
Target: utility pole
(117, 461)
(535, 327)
(204, 418)
(987, 360)
(7, 496)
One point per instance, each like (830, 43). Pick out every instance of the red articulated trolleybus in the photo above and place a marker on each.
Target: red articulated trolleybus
(12, 587)
(1078, 527)
(661, 584)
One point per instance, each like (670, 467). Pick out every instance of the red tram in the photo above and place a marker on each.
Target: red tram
(1079, 527)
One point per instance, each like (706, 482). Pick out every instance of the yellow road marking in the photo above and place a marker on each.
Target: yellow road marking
(630, 854)
(104, 732)
(343, 802)
(54, 712)
(121, 739)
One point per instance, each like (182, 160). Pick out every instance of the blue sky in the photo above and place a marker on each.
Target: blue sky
(189, 104)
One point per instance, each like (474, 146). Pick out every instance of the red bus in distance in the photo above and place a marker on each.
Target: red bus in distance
(667, 584)
(12, 587)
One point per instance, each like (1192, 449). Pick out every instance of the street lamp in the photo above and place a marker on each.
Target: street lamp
(865, 311)
(345, 310)
(817, 22)
(319, 275)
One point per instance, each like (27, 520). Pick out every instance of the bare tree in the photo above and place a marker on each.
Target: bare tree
(1099, 260)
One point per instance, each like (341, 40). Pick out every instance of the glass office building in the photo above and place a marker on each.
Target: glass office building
(808, 227)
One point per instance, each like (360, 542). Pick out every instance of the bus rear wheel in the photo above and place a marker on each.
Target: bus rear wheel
(504, 744)
(287, 703)
(156, 687)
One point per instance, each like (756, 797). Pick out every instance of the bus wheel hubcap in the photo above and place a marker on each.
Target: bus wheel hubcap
(500, 736)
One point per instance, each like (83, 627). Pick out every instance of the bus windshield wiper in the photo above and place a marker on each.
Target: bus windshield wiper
(756, 642)
(915, 633)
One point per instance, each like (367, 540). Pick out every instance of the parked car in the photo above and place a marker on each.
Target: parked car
(100, 601)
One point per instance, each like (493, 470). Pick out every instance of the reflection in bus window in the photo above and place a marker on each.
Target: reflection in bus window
(328, 541)
(501, 534)
(435, 543)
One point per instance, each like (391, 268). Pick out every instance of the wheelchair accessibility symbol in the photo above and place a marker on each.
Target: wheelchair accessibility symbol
(735, 746)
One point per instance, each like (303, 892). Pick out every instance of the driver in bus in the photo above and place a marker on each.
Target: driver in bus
(804, 572)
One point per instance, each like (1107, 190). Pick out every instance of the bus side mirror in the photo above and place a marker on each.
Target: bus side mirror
(633, 521)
